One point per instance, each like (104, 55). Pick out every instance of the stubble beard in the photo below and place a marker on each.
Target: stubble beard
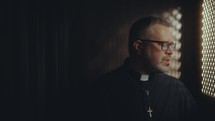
(162, 67)
(156, 67)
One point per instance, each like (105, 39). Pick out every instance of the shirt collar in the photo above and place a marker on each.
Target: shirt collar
(144, 77)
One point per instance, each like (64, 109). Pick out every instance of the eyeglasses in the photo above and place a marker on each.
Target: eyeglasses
(165, 45)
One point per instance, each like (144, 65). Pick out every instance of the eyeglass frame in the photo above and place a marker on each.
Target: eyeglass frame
(171, 45)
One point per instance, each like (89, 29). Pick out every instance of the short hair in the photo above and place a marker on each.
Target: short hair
(141, 28)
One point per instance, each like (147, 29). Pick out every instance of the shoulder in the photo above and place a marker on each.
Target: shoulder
(175, 84)
(108, 78)
(112, 75)
(170, 79)
(171, 83)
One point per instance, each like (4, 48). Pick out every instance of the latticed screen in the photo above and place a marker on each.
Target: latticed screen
(208, 47)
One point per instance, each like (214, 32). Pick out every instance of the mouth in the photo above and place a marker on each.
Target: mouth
(166, 61)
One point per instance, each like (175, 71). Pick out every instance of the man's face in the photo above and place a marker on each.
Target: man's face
(159, 59)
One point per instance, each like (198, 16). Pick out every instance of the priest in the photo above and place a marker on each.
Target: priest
(139, 90)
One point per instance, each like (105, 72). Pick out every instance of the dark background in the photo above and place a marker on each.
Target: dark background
(52, 50)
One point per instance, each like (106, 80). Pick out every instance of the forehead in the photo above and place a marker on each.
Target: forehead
(160, 32)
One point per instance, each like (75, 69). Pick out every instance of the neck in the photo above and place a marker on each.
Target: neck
(137, 65)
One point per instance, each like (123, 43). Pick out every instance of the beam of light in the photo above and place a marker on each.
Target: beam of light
(174, 16)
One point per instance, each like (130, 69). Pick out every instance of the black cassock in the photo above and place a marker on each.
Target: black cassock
(119, 96)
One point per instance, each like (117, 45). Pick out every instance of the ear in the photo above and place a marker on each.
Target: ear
(138, 46)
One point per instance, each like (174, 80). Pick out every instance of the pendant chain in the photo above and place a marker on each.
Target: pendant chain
(149, 110)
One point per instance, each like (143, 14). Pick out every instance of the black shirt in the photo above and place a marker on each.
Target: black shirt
(119, 96)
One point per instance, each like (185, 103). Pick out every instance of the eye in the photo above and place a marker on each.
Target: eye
(165, 44)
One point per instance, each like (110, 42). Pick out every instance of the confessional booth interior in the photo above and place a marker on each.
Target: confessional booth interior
(52, 50)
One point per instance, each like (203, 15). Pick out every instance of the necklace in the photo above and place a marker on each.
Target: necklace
(149, 110)
(147, 91)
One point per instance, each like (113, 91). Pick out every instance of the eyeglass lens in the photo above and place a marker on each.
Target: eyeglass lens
(165, 46)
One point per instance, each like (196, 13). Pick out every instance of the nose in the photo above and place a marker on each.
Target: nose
(169, 51)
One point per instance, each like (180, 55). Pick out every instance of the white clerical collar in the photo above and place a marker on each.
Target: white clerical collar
(144, 77)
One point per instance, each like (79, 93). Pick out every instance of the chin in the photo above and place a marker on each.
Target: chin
(162, 68)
